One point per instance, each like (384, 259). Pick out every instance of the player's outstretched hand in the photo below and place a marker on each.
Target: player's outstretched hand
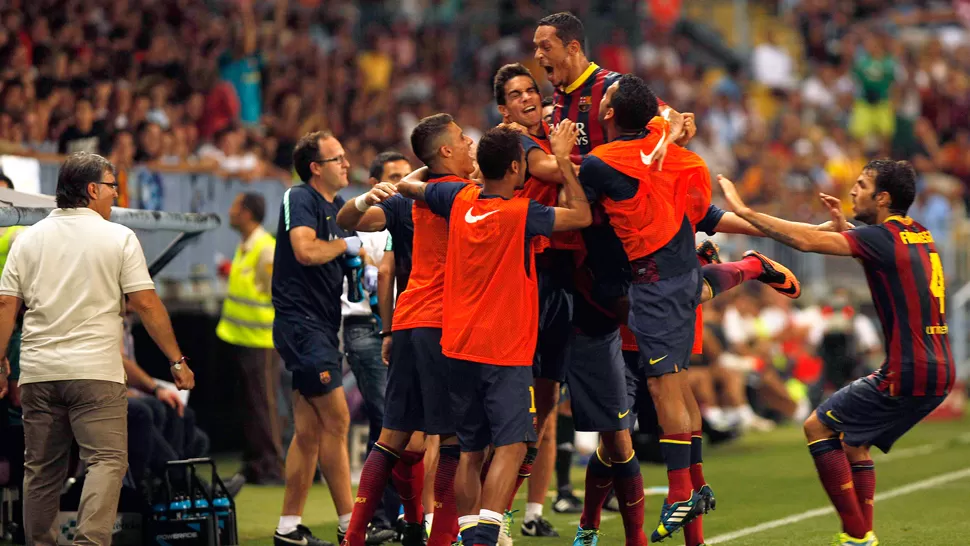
(834, 206)
(563, 139)
(730, 194)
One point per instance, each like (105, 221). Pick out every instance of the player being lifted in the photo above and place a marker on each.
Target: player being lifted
(418, 389)
(906, 280)
(491, 313)
(580, 85)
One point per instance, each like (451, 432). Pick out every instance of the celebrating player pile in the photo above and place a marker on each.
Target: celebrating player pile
(497, 263)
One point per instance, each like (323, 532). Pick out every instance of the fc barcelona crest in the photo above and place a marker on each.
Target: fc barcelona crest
(585, 103)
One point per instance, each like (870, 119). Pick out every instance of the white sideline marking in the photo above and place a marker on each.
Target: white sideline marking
(898, 492)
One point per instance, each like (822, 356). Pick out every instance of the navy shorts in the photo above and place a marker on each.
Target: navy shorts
(597, 384)
(662, 317)
(311, 354)
(418, 383)
(493, 405)
(867, 416)
(638, 393)
(555, 326)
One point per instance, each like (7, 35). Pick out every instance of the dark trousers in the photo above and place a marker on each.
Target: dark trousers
(260, 375)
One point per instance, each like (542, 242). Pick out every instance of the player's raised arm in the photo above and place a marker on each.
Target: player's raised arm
(720, 221)
(573, 212)
(803, 237)
(360, 214)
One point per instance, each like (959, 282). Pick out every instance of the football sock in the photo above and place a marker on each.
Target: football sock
(599, 483)
(628, 484)
(489, 525)
(836, 475)
(694, 531)
(408, 476)
(444, 530)
(864, 478)
(373, 477)
(723, 277)
(676, 452)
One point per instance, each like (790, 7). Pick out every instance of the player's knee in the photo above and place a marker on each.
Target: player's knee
(398, 440)
(815, 430)
(856, 453)
(307, 438)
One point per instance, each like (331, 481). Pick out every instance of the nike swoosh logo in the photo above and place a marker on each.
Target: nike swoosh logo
(301, 542)
(471, 218)
(831, 416)
(655, 360)
(624, 414)
(635, 503)
(648, 159)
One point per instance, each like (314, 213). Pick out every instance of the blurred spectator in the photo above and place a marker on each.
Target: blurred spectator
(875, 71)
(773, 65)
(85, 134)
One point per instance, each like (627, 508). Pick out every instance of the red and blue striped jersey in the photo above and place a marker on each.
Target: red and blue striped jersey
(906, 280)
(580, 102)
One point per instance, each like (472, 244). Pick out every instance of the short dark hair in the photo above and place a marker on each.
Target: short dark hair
(548, 101)
(568, 27)
(307, 151)
(377, 166)
(424, 137)
(898, 179)
(633, 103)
(497, 149)
(504, 75)
(255, 203)
(77, 171)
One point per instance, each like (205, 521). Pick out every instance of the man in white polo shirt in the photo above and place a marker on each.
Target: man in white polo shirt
(73, 270)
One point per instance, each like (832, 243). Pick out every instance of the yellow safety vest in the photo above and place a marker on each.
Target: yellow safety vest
(6, 240)
(247, 313)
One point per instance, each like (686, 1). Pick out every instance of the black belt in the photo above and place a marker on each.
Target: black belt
(359, 320)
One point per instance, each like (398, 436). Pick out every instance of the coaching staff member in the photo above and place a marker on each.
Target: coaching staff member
(308, 276)
(73, 270)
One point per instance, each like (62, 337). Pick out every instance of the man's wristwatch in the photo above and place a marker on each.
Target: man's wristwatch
(177, 365)
(386, 333)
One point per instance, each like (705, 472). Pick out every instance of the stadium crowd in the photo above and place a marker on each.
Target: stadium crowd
(180, 86)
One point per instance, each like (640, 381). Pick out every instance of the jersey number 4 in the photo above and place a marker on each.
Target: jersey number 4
(937, 282)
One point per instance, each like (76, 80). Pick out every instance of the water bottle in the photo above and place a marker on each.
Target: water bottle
(159, 510)
(352, 272)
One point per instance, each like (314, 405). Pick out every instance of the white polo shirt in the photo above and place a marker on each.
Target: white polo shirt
(72, 270)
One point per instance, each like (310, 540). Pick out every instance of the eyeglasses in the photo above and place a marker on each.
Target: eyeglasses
(112, 185)
(340, 158)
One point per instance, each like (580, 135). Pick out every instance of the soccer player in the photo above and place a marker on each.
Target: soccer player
(307, 284)
(905, 276)
(580, 85)
(417, 397)
(650, 217)
(492, 313)
(520, 102)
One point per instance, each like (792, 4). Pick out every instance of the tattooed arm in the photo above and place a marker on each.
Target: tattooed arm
(801, 237)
